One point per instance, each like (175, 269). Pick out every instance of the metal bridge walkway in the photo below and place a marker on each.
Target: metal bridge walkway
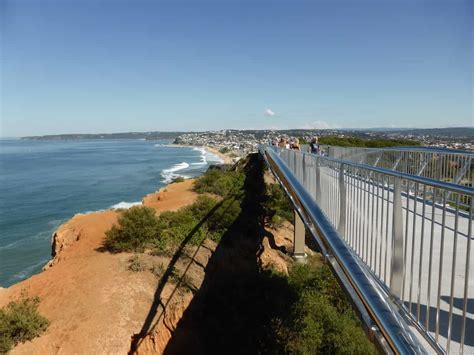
(411, 237)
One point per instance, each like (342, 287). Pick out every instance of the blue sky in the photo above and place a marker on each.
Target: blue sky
(112, 66)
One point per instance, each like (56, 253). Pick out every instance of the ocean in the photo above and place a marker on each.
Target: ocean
(45, 183)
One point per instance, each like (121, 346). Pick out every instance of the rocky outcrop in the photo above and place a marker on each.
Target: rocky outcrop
(63, 237)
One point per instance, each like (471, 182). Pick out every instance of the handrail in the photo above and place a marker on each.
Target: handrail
(389, 326)
(413, 178)
(412, 233)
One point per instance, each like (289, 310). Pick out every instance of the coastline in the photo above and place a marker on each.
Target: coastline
(187, 163)
(82, 282)
(226, 159)
(67, 238)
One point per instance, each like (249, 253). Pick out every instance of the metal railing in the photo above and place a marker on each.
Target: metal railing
(439, 164)
(410, 240)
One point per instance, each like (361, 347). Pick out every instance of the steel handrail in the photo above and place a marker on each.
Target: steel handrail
(466, 190)
(389, 322)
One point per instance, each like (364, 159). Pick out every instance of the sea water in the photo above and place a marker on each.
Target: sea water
(45, 183)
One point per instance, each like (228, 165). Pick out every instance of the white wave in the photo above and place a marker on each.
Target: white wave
(200, 149)
(208, 157)
(176, 167)
(170, 174)
(214, 158)
(126, 205)
(158, 145)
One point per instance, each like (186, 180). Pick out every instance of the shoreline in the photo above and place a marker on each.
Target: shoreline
(226, 159)
(114, 208)
(103, 301)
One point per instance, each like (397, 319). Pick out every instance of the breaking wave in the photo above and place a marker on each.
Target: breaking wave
(170, 174)
(126, 205)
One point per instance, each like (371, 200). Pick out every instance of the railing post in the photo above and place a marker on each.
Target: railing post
(304, 178)
(318, 181)
(299, 239)
(396, 276)
(341, 229)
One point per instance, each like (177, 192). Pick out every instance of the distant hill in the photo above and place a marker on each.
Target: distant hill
(127, 135)
(465, 132)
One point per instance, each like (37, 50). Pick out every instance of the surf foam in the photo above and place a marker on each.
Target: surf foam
(170, 174)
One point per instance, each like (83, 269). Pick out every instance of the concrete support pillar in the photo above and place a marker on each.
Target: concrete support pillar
(299, 239)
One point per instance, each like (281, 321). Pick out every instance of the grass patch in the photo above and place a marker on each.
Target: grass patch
(136, 264)
(20, 321)
(157, 269)
(177, 179)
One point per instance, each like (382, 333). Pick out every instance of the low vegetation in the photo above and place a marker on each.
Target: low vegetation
(220, 182)
(135, 228)
(277, 206)
(139, 229)
(178, 179)
(368, 143)
(20, 321)
(320, 319)
(136, 264)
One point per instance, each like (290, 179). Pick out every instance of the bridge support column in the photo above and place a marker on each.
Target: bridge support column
(299, 239)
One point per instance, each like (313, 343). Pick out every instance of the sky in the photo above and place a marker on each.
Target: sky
(83, 66)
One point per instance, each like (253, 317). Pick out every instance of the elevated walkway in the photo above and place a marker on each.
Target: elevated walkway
(399, 240)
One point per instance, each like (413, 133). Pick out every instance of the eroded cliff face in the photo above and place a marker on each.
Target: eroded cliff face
(93, 301)
(64, 236)
(173, 300)
(273, 253)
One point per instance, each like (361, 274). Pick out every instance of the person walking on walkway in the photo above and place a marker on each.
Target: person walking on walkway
(314, 145)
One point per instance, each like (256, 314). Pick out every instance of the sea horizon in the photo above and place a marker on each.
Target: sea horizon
(45, 183)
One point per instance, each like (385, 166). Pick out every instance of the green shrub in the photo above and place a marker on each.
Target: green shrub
(135, 228)
(136, 264)
(178, 179)
(369, 143)
(321, 320)
(20, 321)
(220, 182)
(175, 226)
(224, 150)
(157, 269)
(277, 206)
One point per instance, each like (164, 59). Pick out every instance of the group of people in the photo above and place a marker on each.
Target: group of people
(294, 144)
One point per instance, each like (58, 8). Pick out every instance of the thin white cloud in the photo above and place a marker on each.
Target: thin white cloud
(269, 112)
(320, 125)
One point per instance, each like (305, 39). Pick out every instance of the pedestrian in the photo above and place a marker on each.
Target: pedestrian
(282, 143)
(314, 145)
(296, 144)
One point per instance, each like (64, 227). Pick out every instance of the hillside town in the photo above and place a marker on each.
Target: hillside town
(242, 142)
